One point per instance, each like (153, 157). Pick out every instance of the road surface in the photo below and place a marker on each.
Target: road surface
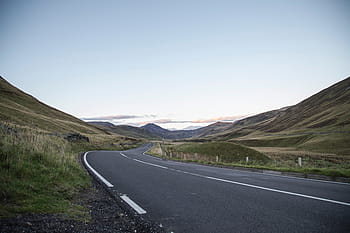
(185, 197)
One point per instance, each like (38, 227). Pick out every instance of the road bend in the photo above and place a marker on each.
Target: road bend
(187, 197)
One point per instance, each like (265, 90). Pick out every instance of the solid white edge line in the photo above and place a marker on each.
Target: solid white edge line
(133, 205)
(267, 174)
(248, 185)
(109, 185)
(307, 179)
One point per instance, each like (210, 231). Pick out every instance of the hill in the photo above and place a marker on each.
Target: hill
(319, 123)
(125, 130)
(22, 109)
(39, 169)
(326, 110)
(168, 134)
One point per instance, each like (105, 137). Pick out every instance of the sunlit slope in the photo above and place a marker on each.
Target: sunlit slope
(22, 109)
(325, 112)
(320, 123)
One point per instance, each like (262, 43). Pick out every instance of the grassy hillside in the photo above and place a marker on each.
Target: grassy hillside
(20, 108)
(319, 123)
(215, 151)
(39, 169)
(327, 110)
(40, 173)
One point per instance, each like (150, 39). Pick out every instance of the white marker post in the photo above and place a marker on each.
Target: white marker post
(247, 159)
(299, 161)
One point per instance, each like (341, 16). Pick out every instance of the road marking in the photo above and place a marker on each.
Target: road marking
(133, 205)
(124, 155)
(248, 185)
(267, 174)
(130, 202)
(279, 191)
(109, 185)
(307, 179)
(151, 164)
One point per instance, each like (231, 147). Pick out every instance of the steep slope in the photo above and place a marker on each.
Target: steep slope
(242, 127)
(22, 109)
(326, 110)
(212, 129)
(124, 130)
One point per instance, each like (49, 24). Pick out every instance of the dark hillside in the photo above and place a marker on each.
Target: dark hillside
(125, 130)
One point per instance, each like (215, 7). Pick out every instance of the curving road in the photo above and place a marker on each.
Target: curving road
(186, 198)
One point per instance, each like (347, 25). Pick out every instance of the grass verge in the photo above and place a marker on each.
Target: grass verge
(40, 173)
(189, 149)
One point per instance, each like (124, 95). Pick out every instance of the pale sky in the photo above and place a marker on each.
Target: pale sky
(176, 61)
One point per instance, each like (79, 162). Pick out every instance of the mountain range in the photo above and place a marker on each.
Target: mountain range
(308, 123)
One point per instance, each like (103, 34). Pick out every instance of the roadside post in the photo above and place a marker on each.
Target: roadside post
(299, 161)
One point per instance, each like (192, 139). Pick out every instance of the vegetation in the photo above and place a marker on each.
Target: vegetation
(268, 158)
(40, 173)
(39, 169)
(213, 152)
(22, 109)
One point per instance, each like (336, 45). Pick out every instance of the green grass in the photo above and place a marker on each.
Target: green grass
(278, 141)
(333, 143)
(41, 173)
(258, 161)
(336, 143)
(212, 151)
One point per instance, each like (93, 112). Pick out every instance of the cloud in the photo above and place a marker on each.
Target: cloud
(162, 121)
(116, 117)
(139, 120)
(228, 118)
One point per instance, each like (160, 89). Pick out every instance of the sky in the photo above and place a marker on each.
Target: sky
(176, 63)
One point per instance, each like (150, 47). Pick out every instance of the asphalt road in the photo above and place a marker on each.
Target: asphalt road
(186, 198)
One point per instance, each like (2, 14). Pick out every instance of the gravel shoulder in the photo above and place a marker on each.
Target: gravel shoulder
(107, 215)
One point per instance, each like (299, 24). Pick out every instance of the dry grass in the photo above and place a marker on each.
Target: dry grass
(40, 173)
(288, 156)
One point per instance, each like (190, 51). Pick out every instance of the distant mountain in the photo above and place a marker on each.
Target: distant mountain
(124, 130)
(168, 134)
(192, 127)
(20, 108)
(322, 113)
